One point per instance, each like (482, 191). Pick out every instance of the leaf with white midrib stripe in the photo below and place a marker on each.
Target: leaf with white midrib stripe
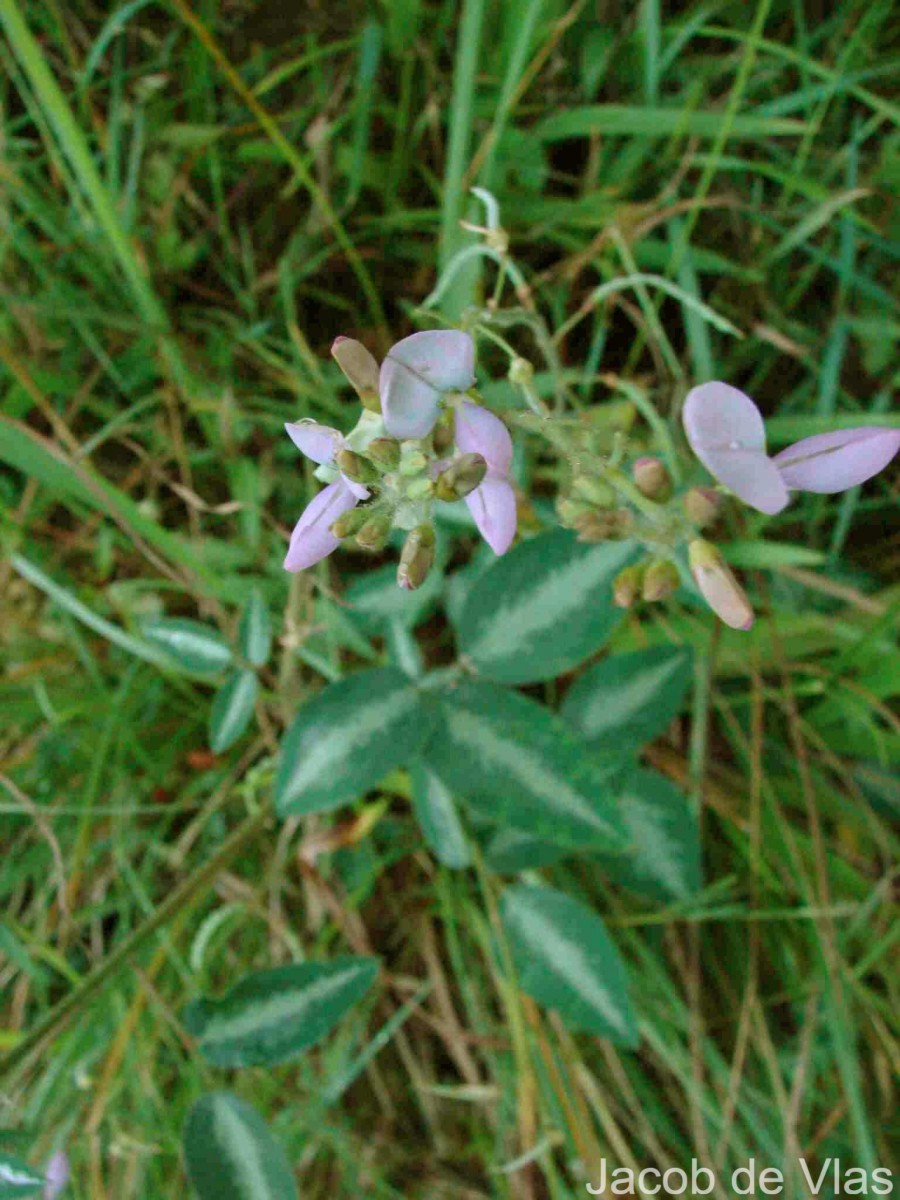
(272, 1016)
(543, 608)
(567, 961)
(231, 1154)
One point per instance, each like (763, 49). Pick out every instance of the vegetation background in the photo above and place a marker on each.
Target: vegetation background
(195, 198)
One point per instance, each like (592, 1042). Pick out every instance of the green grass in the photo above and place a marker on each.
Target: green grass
(195, 199)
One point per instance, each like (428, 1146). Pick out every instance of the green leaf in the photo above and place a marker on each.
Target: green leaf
(255, 630)
(516, 762)
(542, 608)
(509, 851)
(348, 737)
(566, 960)
(629, 699)
(17, 1178)
(272, 1016)
(665, 859)
(232, 710)
(231, 1155)
(640, 121)
(376, 601)
(195, 647)
(438, 818)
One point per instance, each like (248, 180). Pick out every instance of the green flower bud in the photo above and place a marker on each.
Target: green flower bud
(384, 452)
(416, 558)
(652, 479)
(442, 434)
(569, 509)
(661, 579)
(350, 522)
(355, 467)
(412, 459)
(420, 489)
(463, 476)
(701, 505)
(589, 487)
(627, 586)
(375, 532)
(521, 372)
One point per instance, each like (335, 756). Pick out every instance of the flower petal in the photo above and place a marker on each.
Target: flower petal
(56, 1175)
(493, 508)
(312, 538)
(833, 462)
(417, 371)
(359, 490)
(317, 442)
(725, 430)
(478, 431)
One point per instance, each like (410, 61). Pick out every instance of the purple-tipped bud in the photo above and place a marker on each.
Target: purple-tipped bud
(702, 505)
(416, 558)
(360, 368)
(384, 453)
(661, 579)
(354, 467)
(652, 478)
(627, 586)
(463, 476)
(718, 586)
(373, 535)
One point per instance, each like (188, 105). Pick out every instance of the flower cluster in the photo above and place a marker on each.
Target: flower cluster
(419, 439)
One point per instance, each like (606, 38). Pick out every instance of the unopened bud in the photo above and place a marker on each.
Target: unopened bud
(420, 488)
(569, 509)
(463, 476)
(374, 533)
(598, 491)
(360, 368)
(350, 522)
(652, 478)
(718, 586)
(384, 452)
(442, 435)
(604, 526)
(701, 505)
(416, 558)
(627, 586)
(355, 467)
(521, 372)
(661, 579)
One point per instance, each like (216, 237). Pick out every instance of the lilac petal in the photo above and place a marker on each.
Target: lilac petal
(493, 508)
(480, 432)
(312, 538)
(359, 490)
(833, 462)
(417, 371)
(317, 442)
(56, 1175)
(725, 430)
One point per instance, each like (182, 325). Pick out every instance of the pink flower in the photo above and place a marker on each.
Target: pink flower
(312, 538)
(493, 503)
(417, 372)
(56, 1175)
(725, 430)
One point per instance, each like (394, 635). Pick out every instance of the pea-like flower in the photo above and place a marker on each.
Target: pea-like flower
(725, 430)
(493, 503)
(417, 372)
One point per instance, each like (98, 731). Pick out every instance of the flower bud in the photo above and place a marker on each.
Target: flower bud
(463, 476)
(598, 491)
(718, 586)
(375, 532)
(627, 586)
(521, 372)
(412, 459)
(595, 526)
(661, 579)
(701, 505)
(350, 522)
(360, 368)
(568, 509)
(420, 488)
(384, 452)
(652, 479)
(416, 558)
(355, 467)
(442, 435)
